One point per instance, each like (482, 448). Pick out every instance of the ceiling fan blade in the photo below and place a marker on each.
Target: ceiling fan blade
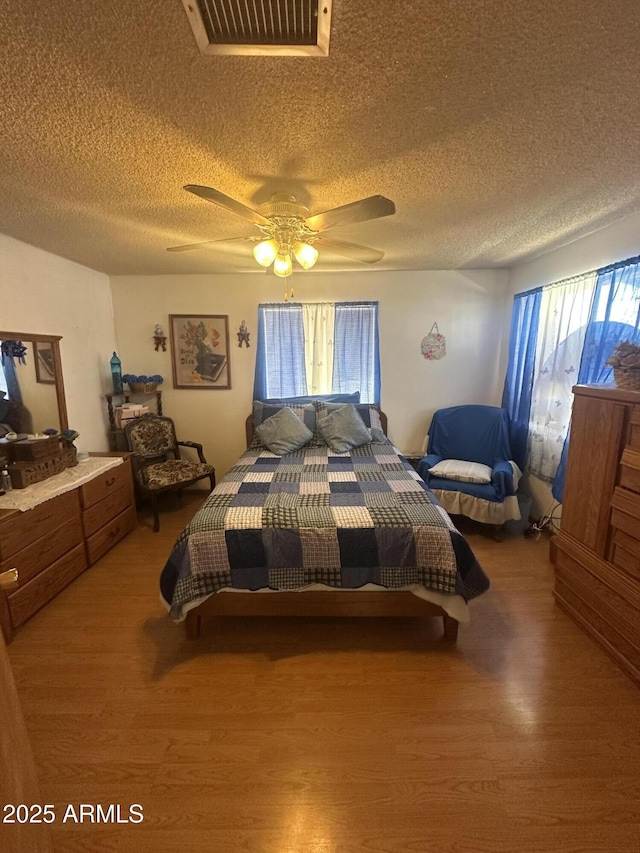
(358, 211)
(230, 204)
(350, 250)
(212, 243)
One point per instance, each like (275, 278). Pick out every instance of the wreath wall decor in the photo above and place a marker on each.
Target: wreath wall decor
(434, 345)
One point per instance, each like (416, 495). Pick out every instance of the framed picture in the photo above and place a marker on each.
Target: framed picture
(200, 351)
(43, 359)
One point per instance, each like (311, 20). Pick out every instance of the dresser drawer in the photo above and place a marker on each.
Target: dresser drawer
(626, 553)
(100, 487)
(31, 560)
(25, 527)
(634, 428)
(27, 599)
(107, 536)
(627, 523)
(105, 510)
(630, 469)
(628, 502)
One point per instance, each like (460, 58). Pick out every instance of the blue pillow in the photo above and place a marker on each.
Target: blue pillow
(369, 413)
(344, 429)
(327, 398)
(262, 411)
(284, 432)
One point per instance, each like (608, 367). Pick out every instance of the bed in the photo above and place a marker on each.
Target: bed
(317, 532)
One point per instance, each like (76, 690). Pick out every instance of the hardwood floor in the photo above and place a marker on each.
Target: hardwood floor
(328, 736)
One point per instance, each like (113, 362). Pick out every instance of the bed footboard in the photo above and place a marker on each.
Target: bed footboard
(319, 604)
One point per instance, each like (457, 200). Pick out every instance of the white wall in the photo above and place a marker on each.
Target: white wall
(615, 243)
(607, 246)
(41, 293)
(468, 307)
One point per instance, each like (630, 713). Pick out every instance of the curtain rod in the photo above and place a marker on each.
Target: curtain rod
(619, 264)
(600, 271)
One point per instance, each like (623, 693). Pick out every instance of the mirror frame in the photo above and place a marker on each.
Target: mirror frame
(54, 340)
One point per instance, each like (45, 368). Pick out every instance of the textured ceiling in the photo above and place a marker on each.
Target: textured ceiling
(500, 128)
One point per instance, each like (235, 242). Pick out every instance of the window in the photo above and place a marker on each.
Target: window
(318, 348)
(562, 335)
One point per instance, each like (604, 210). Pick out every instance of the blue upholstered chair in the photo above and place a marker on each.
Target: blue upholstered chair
(468, 465)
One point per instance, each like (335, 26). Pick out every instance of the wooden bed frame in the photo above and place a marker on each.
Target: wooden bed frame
(354, 604)
(391, 604)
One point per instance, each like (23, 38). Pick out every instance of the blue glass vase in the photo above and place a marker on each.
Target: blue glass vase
(116, 374)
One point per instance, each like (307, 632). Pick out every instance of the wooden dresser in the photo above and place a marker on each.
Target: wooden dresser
(54, 542)
(597, 552)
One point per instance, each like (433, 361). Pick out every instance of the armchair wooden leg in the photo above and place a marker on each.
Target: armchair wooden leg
(212, 480)
(156, 517)
(498, 530)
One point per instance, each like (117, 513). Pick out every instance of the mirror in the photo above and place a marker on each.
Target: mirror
(41, 385)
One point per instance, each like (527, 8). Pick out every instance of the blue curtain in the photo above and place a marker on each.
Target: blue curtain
(516, 397)
(614, 317)
(280, 369)
(356, 350)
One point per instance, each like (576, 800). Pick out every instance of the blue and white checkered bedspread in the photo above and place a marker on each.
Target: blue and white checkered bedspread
(314, 516)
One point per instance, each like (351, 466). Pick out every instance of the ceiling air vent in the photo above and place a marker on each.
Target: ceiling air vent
(261, 27)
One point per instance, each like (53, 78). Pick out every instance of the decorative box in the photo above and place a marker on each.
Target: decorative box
(25, 474)
(34, 449)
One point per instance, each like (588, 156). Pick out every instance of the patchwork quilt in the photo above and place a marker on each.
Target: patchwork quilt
(315, 516)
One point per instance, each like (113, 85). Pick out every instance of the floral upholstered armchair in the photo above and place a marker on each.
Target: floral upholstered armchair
(157, 464)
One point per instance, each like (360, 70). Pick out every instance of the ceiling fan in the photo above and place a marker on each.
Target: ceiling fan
(287, 231)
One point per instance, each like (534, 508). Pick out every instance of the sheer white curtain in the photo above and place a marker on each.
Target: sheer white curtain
(319, 326)
(564, 314)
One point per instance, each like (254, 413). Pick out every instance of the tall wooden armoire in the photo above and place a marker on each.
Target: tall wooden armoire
(597, 552)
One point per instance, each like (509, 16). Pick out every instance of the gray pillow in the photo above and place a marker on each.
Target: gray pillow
(283, 432)
(344, 429)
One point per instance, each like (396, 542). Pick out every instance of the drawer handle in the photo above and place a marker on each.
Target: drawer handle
(115, 532)
(9, 580)
(110, 481)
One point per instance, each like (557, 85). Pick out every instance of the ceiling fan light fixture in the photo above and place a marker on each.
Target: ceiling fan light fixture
(306, 254)
(265, 252)
(287, 231)
(283, 265)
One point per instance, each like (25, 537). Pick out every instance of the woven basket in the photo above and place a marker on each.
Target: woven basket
(142, 387)
(628, 378)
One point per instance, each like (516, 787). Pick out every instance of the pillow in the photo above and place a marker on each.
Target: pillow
(344, 429)
(262, 411)
(369, 412)
(284, 432)
(328, 398)
(466, 472)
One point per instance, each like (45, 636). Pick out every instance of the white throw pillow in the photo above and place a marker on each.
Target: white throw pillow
(466, 472)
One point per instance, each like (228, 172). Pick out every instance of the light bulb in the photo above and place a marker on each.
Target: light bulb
(282, 265)
(265, 252)
(306, 254)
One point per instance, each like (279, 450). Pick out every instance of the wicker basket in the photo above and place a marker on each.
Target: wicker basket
(628, 378)
(142, 387)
